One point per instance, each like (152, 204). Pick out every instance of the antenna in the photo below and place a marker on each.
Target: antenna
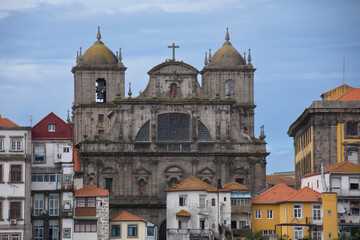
(30, 119)
(344, 70)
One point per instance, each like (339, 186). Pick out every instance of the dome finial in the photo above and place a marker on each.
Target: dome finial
(227, 37)
(80, 55)
(130, 93)
(249, 57)
(77, 56)
(120, 55)
(206, 61)
(98, 36)
(209, 54)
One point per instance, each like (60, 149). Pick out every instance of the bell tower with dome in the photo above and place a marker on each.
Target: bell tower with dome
(99, 78)
(227, 76)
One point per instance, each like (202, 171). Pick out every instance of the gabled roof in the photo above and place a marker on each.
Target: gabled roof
(304, 195)
(278, 193)
(333, 94)
(91, 191)
(192, 184)
(183, 213)
(4, 122)
(126, 216)
(62, 129)
(352, 95)
(339, 167)
(234, 186)
(275, 179)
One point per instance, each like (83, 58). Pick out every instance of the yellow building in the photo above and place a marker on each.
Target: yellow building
(292, 214)
(327, 132)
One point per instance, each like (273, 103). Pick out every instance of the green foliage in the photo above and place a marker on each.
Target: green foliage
(344, 236)
(253, 236)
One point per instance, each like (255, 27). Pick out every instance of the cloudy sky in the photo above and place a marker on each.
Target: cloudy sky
(298, 49)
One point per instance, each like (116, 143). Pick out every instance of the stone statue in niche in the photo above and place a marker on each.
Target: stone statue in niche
(173, 88)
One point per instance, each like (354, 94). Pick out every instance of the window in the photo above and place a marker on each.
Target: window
(108, 184)
(38, 204)
(1, 173)
(173, 181)
(67, 233)
(39, 153)
(132, 230)
(54, 204)
(80, 202)
(316, 212)
(354, 183)
(100, 89)
(257, 214)
(201, 201)
(46, 177)
(352, 128)
(51, 127)
(233, 224)
(239, 180)
(330, 235)
(242, 224)
(202, 223)
(15, 236)
(203, 133)
(15, 210)
(85, 202)
(240, 201)
(1, 144)
(1, 211)
(66, 149)
(268, 232)
(15, 173)
(115, 231)
(38, 229)
(317, 235)
(297, 213)
(213, 202)
(100, 117)
(53, 229)
(85, 226)
(269, 214)
(329, 213)
(183, 224)
(15, 145)
(229, 88)
(101, 131)
(353, 156)
(298, 233)
(143, 134)
(91, 202)
(182, 201)
(67, 179)
(150, 231)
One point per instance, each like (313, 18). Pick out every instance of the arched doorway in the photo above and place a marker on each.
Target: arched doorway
(162, 231)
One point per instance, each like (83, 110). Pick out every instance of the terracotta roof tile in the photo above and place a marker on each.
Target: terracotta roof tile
(192, 184)
(4, 122)
(274, 179)
(339, 167)
(91, 191)
(233, 186)
(352, 95)
(183, 213)
(126, 216)
(76, 160)
(304, 195)
(278, 193)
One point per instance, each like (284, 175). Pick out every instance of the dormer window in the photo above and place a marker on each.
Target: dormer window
(51, 127)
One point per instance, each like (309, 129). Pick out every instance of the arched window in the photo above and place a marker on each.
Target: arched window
(207, 181)
(144, 133)
(173, 181)
(203, 133)
(100, 89)
(229, 88)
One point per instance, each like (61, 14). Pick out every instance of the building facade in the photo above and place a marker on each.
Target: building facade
(138, 147)
(327, 132)
(15, 178)
(52, 179)
(343, 179)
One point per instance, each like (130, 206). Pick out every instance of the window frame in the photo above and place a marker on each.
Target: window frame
(54, 210)
(38, 224)
(111, 232)
(257, 214)
(182, 201)
(51, 127)
(85, 224)
(15, 213)
(132, 226)
(269, 214)
(316, 212)
(2, 145)
(298, 211)
(18, 177)
(16, 144)
(153, 231)
(36, 148)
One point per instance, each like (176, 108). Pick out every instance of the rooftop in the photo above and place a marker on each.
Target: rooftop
(305, 195)
(91, 191)
(126, 216)
(192, 184)
(4, 122)
(274, 179)
(278, 193)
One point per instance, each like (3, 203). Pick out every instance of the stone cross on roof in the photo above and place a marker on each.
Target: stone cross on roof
(173, 46)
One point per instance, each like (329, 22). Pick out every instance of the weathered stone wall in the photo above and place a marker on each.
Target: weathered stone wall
(102, 213)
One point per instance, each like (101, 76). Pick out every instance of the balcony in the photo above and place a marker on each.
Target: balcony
(174, 233)
(346, 192)
(314, 220)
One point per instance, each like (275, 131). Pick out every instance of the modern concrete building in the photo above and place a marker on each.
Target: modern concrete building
(327, 132)
(15, 179)
(138, 146)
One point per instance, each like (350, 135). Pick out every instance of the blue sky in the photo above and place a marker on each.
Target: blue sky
(297, 47)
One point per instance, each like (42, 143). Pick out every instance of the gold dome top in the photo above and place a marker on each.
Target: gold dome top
(99, 53)
(227, 55)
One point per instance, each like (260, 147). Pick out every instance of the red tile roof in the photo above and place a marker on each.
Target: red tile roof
(183, 213)
(304, 195)
(192, 184)
(76, 160)
(126, 216)
(339, 167)
(4, 122)
(352, 95)
(91, 191)
(274, 179)
(233, 186)
(278, 193)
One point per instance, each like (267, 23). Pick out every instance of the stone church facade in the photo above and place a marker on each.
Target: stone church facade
(139, 146)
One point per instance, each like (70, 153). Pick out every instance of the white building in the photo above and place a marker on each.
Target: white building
(342, 178)
(52, 179)
(195, 209)
(15, 155)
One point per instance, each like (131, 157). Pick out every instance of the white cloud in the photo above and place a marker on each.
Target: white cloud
(111, 7)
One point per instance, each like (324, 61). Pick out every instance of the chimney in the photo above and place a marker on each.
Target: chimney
(219, 183)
